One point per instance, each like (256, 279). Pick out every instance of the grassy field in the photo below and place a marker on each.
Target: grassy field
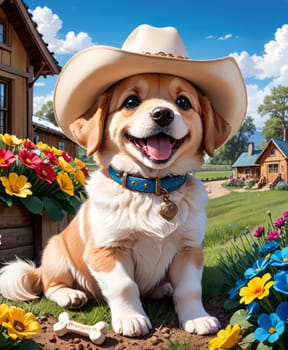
(228, 218)
(210, 172)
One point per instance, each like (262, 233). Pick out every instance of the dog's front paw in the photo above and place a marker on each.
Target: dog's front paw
(131, 325)
(202, 325)
(67, 297)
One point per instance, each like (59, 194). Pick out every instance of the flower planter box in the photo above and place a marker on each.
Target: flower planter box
(23, 234)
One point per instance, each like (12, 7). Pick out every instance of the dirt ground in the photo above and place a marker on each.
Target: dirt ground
(215, 189)
(157, 339)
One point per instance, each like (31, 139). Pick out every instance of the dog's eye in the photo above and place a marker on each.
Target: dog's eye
(183, 103)
(131, 102)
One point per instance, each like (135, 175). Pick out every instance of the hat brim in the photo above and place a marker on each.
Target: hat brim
(93, 70)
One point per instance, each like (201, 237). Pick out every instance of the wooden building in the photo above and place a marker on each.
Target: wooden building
(24, 57)
(47, 132)
(267, 167)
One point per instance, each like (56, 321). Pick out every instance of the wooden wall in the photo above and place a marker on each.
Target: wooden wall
(14, 68)
(273, 157)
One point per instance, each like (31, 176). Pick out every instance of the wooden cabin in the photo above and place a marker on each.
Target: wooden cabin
(268, 166)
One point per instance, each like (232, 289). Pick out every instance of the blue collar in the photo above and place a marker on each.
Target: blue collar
(156, 185)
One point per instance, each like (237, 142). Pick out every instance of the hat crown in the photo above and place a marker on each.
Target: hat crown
(151, 40)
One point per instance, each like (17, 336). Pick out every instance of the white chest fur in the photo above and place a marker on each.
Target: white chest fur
(120, 217)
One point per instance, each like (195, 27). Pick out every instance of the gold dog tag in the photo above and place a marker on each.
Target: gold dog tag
(168, 209)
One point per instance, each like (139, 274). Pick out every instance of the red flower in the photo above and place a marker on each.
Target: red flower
(272, 235)
(7, 158)
(29, 159)
(259, 231)
(28, 144)
(66, 156)
(51, 157)
(45, 172)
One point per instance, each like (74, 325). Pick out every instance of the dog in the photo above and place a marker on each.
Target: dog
(148, 115)
(118, 246)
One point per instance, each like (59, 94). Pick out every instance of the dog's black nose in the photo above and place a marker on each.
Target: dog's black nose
(163, 116)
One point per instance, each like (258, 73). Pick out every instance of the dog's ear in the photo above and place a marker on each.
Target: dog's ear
(89, 128)
(215, 128)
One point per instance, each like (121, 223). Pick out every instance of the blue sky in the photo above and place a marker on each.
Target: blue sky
(255, 32)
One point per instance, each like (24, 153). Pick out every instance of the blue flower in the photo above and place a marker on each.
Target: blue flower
(282, 311)
(235, 291)
(271, 327)
(281, 282)
(259, 266)
(252, 308)
(280, 258)
(269, 247)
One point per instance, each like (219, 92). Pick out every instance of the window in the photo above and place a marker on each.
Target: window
(4, 106)
(248, 171)
(273, 168)
(4, 32)
(61, 145)
(272, 152)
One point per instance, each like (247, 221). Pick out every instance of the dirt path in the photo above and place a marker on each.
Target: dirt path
(215, 189)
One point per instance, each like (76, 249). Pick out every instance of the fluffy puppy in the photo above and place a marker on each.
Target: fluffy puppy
(148, 128)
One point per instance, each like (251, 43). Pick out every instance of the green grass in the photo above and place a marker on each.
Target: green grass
(228, 218)
(232, 214)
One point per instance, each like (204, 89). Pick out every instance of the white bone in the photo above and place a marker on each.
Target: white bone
(95, 333)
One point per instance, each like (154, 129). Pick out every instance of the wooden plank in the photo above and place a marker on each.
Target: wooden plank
(25, 252)
(16, 237)
(15, 216)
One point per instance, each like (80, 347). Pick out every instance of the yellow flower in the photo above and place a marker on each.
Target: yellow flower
(226, 338)
(11, 140)
(20, 324)
(256, 288)
(16, 185)
(79, 163)
(65, 166)
(65, 183)
(56, 151)
(80, 177)
(3, 312)
(43, 147)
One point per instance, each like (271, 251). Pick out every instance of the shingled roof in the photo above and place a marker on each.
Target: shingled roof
(246, 160)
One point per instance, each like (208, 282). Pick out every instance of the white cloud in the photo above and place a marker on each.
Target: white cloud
(225, 37)
(49, 25)
(39, 101)
(272, 65)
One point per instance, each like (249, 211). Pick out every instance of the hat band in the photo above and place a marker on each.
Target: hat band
(164, 54)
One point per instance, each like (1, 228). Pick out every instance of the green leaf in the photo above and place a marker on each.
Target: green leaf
(248, 338)
(33, 204)
(7, 200)
(262, 346)
(28, 344)
(239, 317)
(53, 208)
(230, 304)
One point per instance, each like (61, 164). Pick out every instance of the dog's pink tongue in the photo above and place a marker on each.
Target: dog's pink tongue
(159, 147)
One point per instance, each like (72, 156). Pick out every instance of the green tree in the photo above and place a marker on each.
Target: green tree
(236, 145)
(48, 112)
(272, 128)
(276, 106)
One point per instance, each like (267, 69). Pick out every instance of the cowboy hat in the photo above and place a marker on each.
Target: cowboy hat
(147, 50)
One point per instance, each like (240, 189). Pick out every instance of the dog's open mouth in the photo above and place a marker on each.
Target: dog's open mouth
(158, 148)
